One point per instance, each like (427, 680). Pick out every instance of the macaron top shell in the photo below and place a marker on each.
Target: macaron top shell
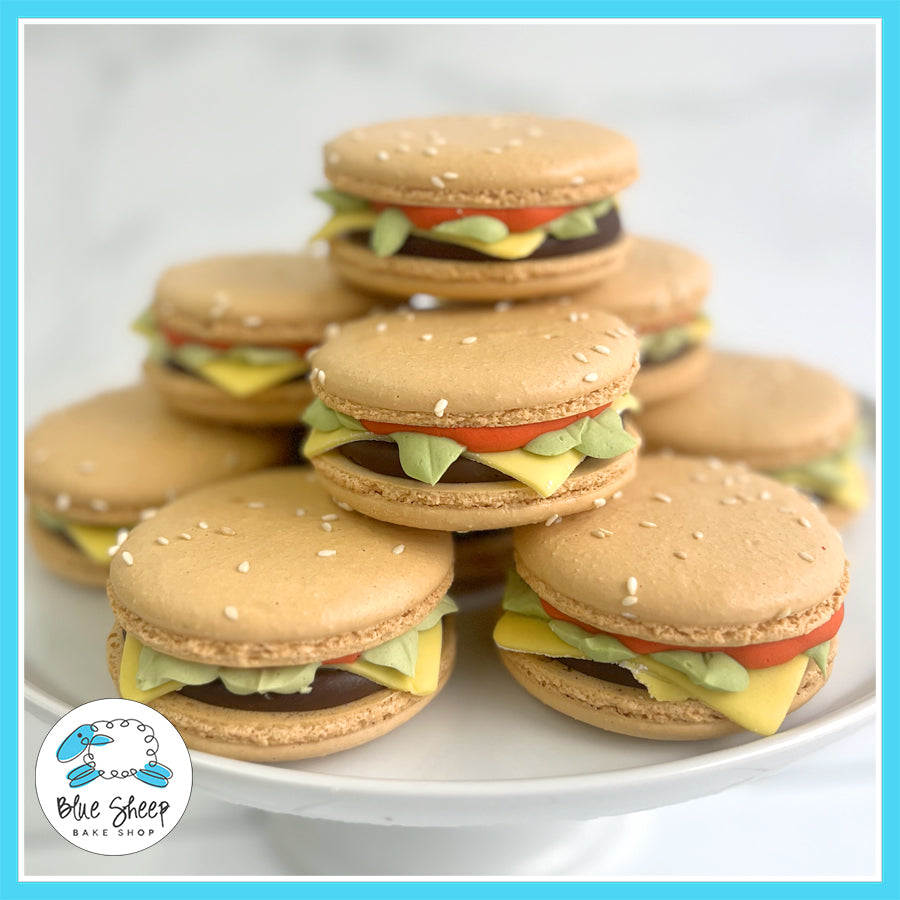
(241, 577)
(659, 284)
(504, 161)
(107, 459)
(528, 363)
(764, 411)
(263, 298)
(721, 556)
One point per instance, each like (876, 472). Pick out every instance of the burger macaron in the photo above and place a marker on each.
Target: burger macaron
(706, 600)
(796, 423)
(473, 420)
(229, 335)
(476, 208)
(268, 623)
(94, 469)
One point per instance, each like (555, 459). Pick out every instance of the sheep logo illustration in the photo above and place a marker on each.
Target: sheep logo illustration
(114, 748)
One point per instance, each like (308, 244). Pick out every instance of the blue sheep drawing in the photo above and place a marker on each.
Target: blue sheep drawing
(117, 748)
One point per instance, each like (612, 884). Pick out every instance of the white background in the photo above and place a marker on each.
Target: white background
(150, 144)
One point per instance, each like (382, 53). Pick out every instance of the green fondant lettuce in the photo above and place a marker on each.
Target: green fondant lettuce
(819, 655)
(323, 418)
(575, 224)
(818, 475)
(340, 201)
(716, 671)
(519, 597)
(480, 228)
(425, 457)
(601, 437)
(598, 647)
(389, 233)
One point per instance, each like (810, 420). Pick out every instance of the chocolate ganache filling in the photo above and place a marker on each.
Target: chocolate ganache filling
(608, 229)
(604, 671)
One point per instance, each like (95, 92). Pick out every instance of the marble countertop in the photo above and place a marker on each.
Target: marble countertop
(149, 144)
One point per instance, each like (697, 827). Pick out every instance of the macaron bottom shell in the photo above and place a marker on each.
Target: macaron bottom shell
(628, 710)
(465, 281)
(62, 557)
(192, 396)
(657, 382)
(282, 736)
(469, 507)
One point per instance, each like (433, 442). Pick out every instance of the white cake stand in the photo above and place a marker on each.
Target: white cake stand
(486, 780)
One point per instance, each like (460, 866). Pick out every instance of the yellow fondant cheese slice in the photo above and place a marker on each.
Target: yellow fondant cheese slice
(761, 707)
(526, 634)
(93, 541)
(342, 222)
(128, 670)
(242, 379)
(428, 667)
(543, 474)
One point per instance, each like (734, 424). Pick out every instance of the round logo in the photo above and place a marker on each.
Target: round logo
(113, 777)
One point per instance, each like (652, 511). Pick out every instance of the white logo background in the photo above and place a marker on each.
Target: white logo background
(113, 777)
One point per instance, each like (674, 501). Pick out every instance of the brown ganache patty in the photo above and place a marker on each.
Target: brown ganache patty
(604, 671)
(609, 228)
(383, 458)
(330, 688)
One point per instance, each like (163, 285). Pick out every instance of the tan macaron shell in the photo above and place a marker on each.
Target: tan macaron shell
(720, 556)
(284, 588)
(659, 382)
(268, 299)
(764, 411)
(531, 363)
(105, 460)
(62, 557)
(508, 161)
(659, 285)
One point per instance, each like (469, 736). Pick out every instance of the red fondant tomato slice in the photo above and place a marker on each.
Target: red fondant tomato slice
(517, 220)
(176, 339)
(485, 440)
(350, 658)
(751, 656)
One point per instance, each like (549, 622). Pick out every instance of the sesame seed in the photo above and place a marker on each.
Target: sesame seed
(534, 131)
(580, 357)
(630, 600)
(646, 524)
(127, 558)
(494, 150)
(343, 505)
(514, 142)
(601, 348)
(334, 158)
(765, 495)
(398, 549)
(450, 176)
(469, 340)
(252, 321)
(439, 140)
(162, 541)
(785, 509)
(697, 535)
(330, 517)
(617, 495)
(299, 512)
(381, 327)
(628, 615)
(203, 525)
(577, 180)
(255, 504)
(383, 155)
(728, 481)
(230, 613)
(184, 536)
(430, 151)
(699, 477)
(680, 554)
(440, 407)
(583, 316)
(320, 376)
(226, 530)
(86, 467)
(552, 520)
(502, 305)
(63, 502)
(610, 333)
(601, 533)
(572, 316)
(121, 534)
(590, 377)
(244, 567)
(402, 148)
(807, 556)
(714, 462)
(425, 337)
(437, 181)
(663, 498)
(148, 513)
(728, 501)
(631, 585)
(113, 550)
(332, 329)
(99, 505)
(326, 553)
(326, 526)
(804, 522)
(600, 501)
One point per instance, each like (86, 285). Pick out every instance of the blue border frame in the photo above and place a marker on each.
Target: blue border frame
(10, 12)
